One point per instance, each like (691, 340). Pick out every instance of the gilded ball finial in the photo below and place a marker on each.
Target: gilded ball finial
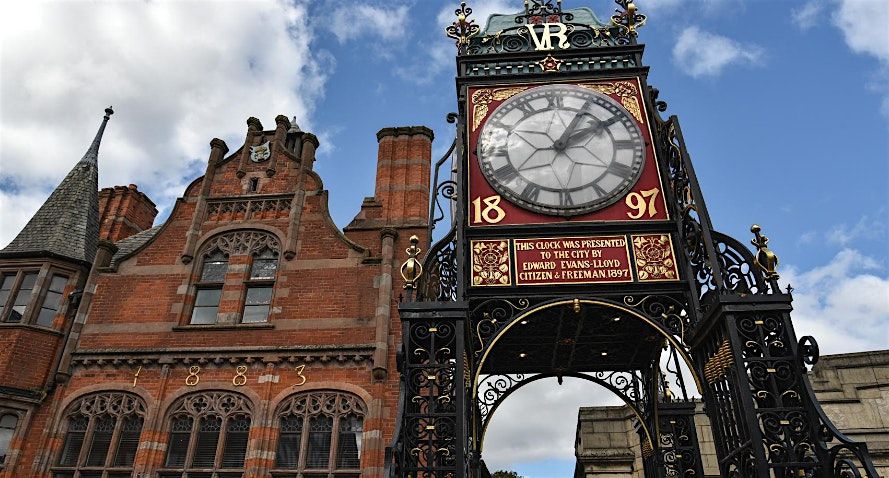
(412, 268)
(765, 259)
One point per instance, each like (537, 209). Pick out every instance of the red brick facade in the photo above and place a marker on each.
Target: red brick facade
(332, 320)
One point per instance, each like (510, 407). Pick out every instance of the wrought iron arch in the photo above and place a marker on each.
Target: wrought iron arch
(500, 331)
(515, 385)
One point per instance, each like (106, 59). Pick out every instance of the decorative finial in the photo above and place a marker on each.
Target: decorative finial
(543, 11)
(91, 157)
(462, 28)
(294, 128)
(628, 19)
(766, 260)
(412, 269)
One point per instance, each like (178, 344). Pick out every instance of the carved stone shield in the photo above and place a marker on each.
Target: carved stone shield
(260, 153)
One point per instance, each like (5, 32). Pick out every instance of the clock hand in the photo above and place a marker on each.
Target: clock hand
(560, 143)
(585, 132)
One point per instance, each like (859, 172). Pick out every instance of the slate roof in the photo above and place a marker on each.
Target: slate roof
(67, 224)
(127, 246)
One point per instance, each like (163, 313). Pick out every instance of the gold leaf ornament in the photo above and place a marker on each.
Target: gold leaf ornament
(482, 99)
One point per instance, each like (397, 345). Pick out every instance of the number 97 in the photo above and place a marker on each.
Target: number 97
(637, 202)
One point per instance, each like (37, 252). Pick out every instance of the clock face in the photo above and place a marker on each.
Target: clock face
(561, 149)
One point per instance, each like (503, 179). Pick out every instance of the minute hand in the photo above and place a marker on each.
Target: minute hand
(561, 142)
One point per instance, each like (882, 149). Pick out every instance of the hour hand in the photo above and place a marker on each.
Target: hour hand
(569, 131)
(585, 133)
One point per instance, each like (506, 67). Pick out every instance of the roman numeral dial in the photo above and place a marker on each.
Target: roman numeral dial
(561, 149)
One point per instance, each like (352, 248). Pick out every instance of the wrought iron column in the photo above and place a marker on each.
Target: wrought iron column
(431, 437)
(679, 448)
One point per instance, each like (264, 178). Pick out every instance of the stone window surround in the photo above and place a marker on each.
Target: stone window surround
(335, 404)
(10, 452)
(197, 406)
(150, 435)
(45, 272)
(116, 403)
(244, 240)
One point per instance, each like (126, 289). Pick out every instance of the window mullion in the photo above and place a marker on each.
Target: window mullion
(112, 446)
(192, 439)
(87, 442)
(304, 443)
(220, 443)
(334, 441)
(36, 293)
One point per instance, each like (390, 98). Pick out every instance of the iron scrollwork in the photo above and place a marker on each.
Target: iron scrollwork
(439, 282)
(428, 437)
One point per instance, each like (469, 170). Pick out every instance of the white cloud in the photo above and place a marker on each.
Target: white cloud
(843, 304)
(866, 228)
(177, 73)
(349, 22)
(864, 27)
(699, 53)
(807, 16)
(539, 421)
(440, 55)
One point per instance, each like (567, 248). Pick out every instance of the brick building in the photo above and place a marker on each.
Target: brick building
(247, 335)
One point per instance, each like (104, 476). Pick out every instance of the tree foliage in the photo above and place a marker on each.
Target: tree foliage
(505, 474)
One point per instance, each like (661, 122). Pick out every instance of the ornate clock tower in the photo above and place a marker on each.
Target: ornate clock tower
(581, 247)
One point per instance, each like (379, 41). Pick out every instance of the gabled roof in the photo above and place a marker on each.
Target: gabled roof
(67, 224)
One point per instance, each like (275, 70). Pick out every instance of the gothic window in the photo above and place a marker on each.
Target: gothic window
(209, 289)
(8, 423)
(320, 435)
(258, 251)
(52, 300)
(259, 287)
(208, 436)
(101, 436)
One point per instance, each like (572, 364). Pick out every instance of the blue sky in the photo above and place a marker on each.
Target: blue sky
(784, 105)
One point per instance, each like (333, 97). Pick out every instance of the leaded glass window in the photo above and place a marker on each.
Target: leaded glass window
(101, 435)
(265, 265)
(209, 290)
(52, 300)
(209, 434)
(8, 423)
(16, 290)
(320, 434)
(260, 285)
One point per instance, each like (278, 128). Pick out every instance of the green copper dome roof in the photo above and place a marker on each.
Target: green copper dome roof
(499, 21)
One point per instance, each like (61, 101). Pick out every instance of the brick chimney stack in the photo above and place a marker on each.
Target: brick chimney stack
(403, 164)
(124, 211)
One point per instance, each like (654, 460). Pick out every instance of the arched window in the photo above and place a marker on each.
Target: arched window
(208, 435)
(8, 422)
(101, 436)
(254, 254)
(320, 435)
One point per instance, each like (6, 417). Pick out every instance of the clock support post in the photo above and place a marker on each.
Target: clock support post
(634, 291)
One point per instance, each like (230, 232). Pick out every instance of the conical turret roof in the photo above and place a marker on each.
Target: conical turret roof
(67, 224)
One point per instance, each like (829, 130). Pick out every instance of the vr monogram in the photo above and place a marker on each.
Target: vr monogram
(544, 41)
